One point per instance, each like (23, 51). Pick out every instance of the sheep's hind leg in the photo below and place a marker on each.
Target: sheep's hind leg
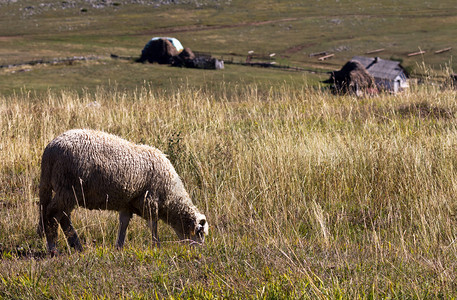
(54, 213)
(50, 226)
(40, 228)
(124, 219)
(70, 232)
(50, 229)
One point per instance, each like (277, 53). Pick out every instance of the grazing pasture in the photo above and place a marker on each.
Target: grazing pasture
(293, 30)
(307, 194)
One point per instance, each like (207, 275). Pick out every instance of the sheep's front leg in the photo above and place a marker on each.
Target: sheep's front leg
(148, 205)
(124, 219)
(155, 237)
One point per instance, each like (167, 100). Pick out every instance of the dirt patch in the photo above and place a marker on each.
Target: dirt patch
(4, 38)
(425, 110)
(26, 66)
(203, 28)
(21, 252)
(297, 48)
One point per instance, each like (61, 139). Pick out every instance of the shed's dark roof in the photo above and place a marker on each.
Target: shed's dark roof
(380, 68)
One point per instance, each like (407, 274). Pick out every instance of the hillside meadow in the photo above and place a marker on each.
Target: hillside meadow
(308, 195)
(293, 30)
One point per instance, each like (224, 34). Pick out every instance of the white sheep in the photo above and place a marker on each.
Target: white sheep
(97, 170)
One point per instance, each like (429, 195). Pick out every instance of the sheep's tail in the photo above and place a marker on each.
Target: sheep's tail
(45, 191)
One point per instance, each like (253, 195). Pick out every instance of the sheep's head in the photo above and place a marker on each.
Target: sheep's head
(201, 229)
(195, 230)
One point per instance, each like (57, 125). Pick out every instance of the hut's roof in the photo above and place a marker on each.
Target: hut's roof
(353, 77)
(381, 68)
(353, 72)
(175, 42)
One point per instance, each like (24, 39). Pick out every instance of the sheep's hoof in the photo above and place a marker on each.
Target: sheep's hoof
(76, 245)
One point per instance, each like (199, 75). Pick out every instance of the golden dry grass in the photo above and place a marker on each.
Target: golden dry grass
(307, 195)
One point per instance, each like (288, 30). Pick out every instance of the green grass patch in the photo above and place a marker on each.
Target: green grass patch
(228, 30)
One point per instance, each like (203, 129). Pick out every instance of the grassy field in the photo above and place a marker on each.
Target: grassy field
(31, 30)
(308, 195)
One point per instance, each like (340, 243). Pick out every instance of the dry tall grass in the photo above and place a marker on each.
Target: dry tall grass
(307, 195)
